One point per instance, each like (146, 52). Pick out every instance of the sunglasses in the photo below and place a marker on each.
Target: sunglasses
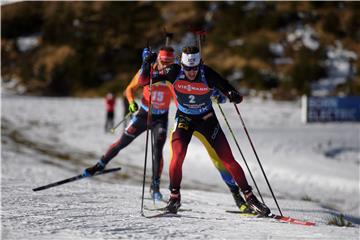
(166, 63)
(186, 68)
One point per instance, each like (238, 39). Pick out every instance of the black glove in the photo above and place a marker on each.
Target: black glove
(148, 56)
(218, 96)
(234, 96)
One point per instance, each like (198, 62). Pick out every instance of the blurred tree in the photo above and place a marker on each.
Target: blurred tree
(352, 25)
(58, 27)
(306, 69)
(256, 46)
(261, 80)
(332, 24)
(60, 80)
(21, 19)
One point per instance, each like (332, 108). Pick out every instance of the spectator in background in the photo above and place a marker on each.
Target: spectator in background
(110, 101)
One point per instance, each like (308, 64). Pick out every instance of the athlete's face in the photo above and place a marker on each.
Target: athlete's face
(191, 72)
(163, 64)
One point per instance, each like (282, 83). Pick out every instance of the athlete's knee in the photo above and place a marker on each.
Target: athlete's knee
(160, 141)
(219, 166)
(179, 153)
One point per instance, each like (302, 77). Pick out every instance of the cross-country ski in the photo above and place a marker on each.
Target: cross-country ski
(75, 178)
(283, 219)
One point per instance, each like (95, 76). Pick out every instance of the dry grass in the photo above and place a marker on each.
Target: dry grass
(340, 221)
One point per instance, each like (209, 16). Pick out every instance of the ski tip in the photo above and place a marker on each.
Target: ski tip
(292, 220)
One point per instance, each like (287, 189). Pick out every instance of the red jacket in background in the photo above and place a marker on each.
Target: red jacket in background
(110, 102)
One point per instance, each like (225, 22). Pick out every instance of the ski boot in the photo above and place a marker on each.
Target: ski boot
(241, 204)
(155, 191)
(255, 204)
(174, 203)
(98, 167)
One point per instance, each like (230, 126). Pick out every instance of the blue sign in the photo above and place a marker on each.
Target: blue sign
(332, 109)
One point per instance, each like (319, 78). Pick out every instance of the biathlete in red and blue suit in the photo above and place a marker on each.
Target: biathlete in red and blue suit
(193, 84)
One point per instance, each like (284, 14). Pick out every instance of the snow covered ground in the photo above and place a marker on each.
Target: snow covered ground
(313, 170)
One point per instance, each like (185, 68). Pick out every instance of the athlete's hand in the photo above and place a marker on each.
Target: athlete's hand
(234, 96)
(133, 107)
(148, 56)
(145, 53)
(218, 96)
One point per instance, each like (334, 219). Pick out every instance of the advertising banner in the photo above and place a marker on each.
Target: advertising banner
(331, 109)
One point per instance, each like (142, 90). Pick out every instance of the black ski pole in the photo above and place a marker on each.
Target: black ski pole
(146, 149)
(257, 158)
(112, 130)
(168, 37)
(199, 34)
(242, 155)
(146, 144)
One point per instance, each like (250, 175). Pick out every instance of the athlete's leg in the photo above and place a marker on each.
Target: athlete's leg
(216, 138)
(213, 134)
(136, 126)
(180, 138)
(159, 132)
(111, 120)
(225, 175)
(107, 122)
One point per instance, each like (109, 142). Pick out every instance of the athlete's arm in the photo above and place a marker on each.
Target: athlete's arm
(216, 81)
(168, 74)
(132, 87)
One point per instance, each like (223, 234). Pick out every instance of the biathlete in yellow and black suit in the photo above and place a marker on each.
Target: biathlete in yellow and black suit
(193, 85)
